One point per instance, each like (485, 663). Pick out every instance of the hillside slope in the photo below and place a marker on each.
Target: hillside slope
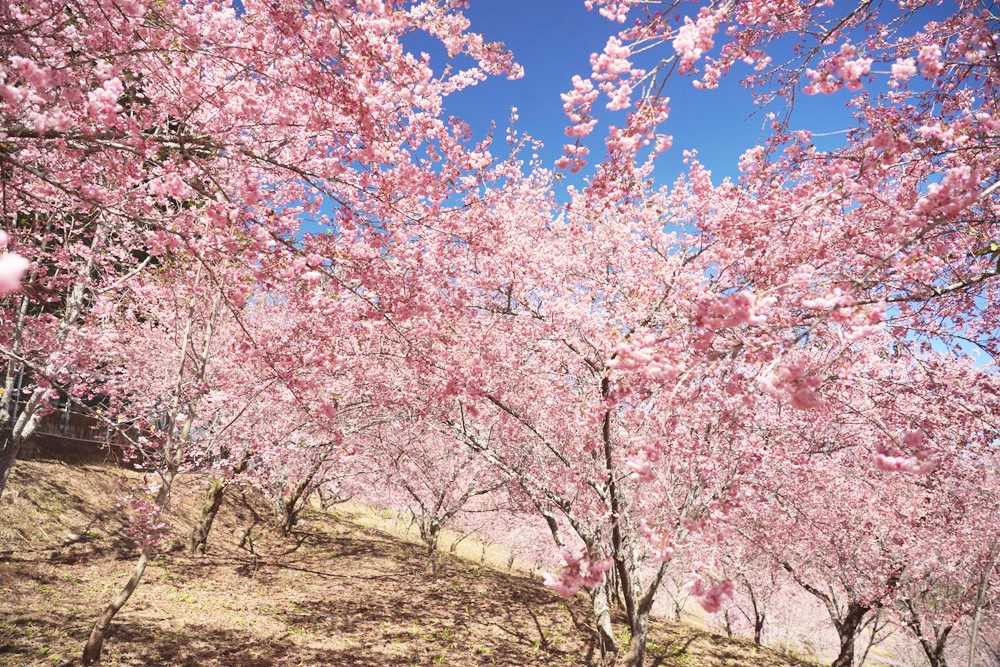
(336, 593)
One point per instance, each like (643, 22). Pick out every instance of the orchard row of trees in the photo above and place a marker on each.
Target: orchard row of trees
(256, 237)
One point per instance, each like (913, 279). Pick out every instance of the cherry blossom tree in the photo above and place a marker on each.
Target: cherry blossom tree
(536, 391)
(757, 583)
(169, 407)
(116, 146)
(859, 523)
(897, 223)
(418, 465)
(813, 250)
(49, 326)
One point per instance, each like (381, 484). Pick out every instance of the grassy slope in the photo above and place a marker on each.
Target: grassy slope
(337, 593)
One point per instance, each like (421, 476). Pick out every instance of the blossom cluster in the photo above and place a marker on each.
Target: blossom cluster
(577, 572)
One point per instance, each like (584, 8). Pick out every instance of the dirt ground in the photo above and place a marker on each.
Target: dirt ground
(337, 592)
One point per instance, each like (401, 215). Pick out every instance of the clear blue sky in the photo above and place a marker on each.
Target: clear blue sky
(553, 40)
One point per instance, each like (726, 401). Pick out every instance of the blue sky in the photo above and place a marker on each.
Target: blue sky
(553, 40)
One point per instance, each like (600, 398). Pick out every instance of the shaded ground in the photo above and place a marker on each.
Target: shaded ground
(337, 593)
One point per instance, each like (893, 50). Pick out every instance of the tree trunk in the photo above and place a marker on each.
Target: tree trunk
(759, 614)
(289, 508)
(203, 526)
(935, 657)
(287, 513)
(847, 630)
(216, 491)
(24, 426)
(430, 536)
(482, 554)
(602, 616)
(287, 517)
(935, 651)
(92, 651)
(173, 455)
(636, 655)
(758, 629)
(8, 453)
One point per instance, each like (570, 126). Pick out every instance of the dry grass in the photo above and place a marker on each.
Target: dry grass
(337, 593)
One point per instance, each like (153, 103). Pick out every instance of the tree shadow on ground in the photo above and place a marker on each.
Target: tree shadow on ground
(336, 594)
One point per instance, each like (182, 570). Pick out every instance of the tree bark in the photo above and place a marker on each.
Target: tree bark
(847, 630)
(636, 655)
(602, 616)
(759, 614)
(24, 427)
(92, 651)
(935, 652)
(287, 517)
(203, 526)
(429, 534)
(758, 630)
(289, 508)
(199, 533)
(8, 453)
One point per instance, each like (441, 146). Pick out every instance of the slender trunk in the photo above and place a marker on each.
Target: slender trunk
(287, 516)
(432, 561)
(8, 453)
(199, 534)
(614, 589)
(602, 616)
(24, 427)
(637, 605)
(758, 614)
(92, 651)
(758, 630)
(872, 636)
(430, 536)
(935, 652)
(622, 568)
(289, 508)
(173, 455)
(847, 629)
(636, 655)
(453, 547)
(980, 598)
